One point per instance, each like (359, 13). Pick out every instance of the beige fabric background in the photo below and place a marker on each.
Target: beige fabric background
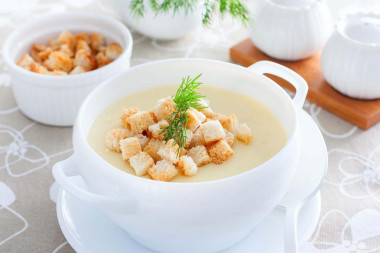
(350, 217)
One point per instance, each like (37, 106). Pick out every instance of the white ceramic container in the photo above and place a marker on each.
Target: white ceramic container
(290, 29)
(351, 57)
(165, 216)
(162, 26)
(55, 100)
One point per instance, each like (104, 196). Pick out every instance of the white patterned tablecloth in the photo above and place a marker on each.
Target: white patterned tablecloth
(350, 216)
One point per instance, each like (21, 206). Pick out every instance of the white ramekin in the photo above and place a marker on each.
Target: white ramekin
(55, 100)
(351, 58)
(187, 217)
(290, 29)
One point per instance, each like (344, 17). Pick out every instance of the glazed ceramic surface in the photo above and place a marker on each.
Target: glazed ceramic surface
(161, 26)
(290, 29)
(351, 57)
(55, 100)
(153, 212)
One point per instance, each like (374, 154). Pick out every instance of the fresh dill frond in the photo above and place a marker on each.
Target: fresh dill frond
(185, 98)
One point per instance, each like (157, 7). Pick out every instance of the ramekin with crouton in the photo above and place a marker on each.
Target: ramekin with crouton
(178, 216)
(56, 60)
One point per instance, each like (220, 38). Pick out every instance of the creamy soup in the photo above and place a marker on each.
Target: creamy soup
(268, 135)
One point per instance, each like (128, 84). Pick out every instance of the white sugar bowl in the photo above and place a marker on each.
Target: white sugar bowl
(290, 29)
(351, 57)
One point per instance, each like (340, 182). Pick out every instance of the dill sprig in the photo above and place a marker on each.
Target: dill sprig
(185, 98)
(236, 8)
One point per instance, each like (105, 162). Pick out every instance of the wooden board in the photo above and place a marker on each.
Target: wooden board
(363, 113)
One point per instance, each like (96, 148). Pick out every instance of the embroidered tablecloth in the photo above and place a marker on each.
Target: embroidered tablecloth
(350, 215)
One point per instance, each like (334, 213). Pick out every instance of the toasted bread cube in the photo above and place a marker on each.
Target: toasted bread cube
(85, 59)
(25, 61)
(230, 123)
(102, 59)
(199, 155)
(59, 61)
(129, 147)
(66, 38)
(39, 47)
(164, 108)
(43, 55)
(156, 129)
(126, 114)
(169, 151)
(82, 44)
(143, 140)
(197, 139)
(113, 138)
(79, 70)
(194, 119)
(57, 73)
(163, 171)
(187, 166)
(113, 51)
(38, 68)
(35, 55)
(139, 122)
(243, 133)
(97, 41)
(141, 163)
(212, 131)
(229, 137)
(153, 115)
(65, 48)
(152, 149)
(189, 136)
(82, 36)
(220, 151)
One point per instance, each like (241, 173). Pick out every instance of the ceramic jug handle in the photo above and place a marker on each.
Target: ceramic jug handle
(64, 173)
(267, 67)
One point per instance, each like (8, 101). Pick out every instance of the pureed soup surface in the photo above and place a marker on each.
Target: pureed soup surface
(268, 135)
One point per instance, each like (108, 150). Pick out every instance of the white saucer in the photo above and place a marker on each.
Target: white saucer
(87, 228)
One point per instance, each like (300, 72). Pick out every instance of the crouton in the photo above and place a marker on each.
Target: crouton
(82, 36)
(163, 171)
(169, 151)
(65, 49)
(230, 123)
(212, 131)
(139, 122)
(113, 51)
(38, 68)
(156, 129)
(187, 166)
(189, 136)
(85, 59)
(81, 44)
(220, 151)
(164, 108)
(25, 61)
(38, 47)
(141, 163)
(143, 140)
(194, 119)
(102, 59)
(34, 54)
(129, 147)
(57, 73)
(79, 70)
(153, 115)
(59, 61)
(243, 133)
(229, 137)
(43, 55)
(97, 41)
(197, 139)
(53, 43)
(126, 114)
(66, 38)
(199, 155)
(152, 149)
(113, 138)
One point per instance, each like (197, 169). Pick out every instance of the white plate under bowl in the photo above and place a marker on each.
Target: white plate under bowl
(88, 229)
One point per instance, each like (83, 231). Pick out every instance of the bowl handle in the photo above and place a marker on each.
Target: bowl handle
(267, 67)
(65, 172)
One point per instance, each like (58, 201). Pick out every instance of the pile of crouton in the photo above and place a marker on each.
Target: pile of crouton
(210, 137)
(70, 54)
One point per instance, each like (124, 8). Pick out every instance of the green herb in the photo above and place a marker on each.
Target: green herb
(236, 8)
(185, 98)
